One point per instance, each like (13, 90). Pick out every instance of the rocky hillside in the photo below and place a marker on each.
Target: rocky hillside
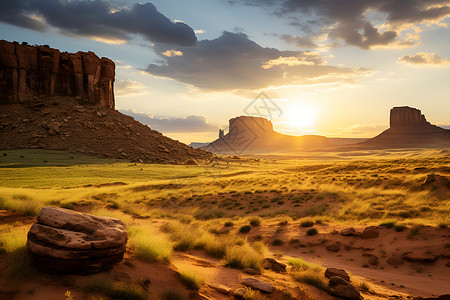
(410, 128)
(65, 101)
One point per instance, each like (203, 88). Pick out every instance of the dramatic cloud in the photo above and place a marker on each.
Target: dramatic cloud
(129, 87)
(361, 23)
(170, 124)
(98, 19)
(422, 58)
(234, 62)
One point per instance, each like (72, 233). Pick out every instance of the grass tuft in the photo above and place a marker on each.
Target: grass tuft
(191, 279)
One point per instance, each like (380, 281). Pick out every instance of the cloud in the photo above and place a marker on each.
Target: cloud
(172, 124)
(422, 58)
(129, 87)
(365, 24)
(234, 62)
(299, 41)
(170, 53)
(99, 19)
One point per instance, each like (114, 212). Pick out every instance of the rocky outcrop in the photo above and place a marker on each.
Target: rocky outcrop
(332, 272)
(405, 116)
(409, 128)
(258, 284)
(29, 72)
(250, 134)
(66, 241)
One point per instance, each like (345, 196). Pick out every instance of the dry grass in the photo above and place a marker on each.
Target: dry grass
(242, 257)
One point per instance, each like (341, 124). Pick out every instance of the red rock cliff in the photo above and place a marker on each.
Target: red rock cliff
(28, 72)
(406, 116)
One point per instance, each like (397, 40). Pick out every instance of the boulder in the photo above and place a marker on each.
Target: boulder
(342, 288)
(348, 231)
(257, 284)
(370, 233)
(332, 272)
(66, 241)
(334, 247)
(373, 259)
(272, 264)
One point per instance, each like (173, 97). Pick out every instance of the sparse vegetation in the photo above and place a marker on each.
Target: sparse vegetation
(107, 287)
(311, 231)
(243, 256)
(191, 279)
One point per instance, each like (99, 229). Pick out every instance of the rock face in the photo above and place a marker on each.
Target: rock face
(257, 284)
(65, 241)
(251, 134)
(409, 128)
(28, 72)
(405, 117)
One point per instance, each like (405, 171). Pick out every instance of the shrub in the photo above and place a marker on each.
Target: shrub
(388, 224)
(260, 247)
(307, 223)
(241, 257)
(255, 221)
(311, 231)
(399, 227)
(251, 294)
(191, 279)
(277, 242)
(245, 229)
(228, 224)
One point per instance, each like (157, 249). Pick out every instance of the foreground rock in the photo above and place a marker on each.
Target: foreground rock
(66, 241)
(272, 264)
(370, 233)
(332, 272)
(258, 285)
(342, 288)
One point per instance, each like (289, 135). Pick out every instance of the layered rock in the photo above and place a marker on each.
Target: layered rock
(29, 72)
(409, 128)
(66, 241)
(252, 134)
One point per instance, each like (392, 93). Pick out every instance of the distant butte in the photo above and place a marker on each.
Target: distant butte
(254, 134)
(409, 128)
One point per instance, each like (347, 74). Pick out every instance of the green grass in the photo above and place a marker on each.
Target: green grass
(105, 286)
(242, 257)
(311, 277)
(13, 242)
(191, 279)
(150, 245)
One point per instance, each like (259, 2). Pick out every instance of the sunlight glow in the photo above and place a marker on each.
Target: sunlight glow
(300, 116)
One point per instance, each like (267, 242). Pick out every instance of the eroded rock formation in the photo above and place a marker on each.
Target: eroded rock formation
(409, 128)
(256, 134)
(66, 241)
(405, 116)
(29, 72)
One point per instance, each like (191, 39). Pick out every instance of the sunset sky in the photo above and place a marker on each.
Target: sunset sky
(332, 67)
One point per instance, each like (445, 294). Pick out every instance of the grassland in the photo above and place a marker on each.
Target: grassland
(235, 211)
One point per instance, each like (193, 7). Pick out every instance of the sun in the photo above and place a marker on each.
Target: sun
(300, 116)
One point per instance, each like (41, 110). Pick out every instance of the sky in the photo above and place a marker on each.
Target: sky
(325, 67)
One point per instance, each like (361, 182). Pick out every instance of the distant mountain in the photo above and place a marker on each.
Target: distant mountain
(255, 134)
(410, 128)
